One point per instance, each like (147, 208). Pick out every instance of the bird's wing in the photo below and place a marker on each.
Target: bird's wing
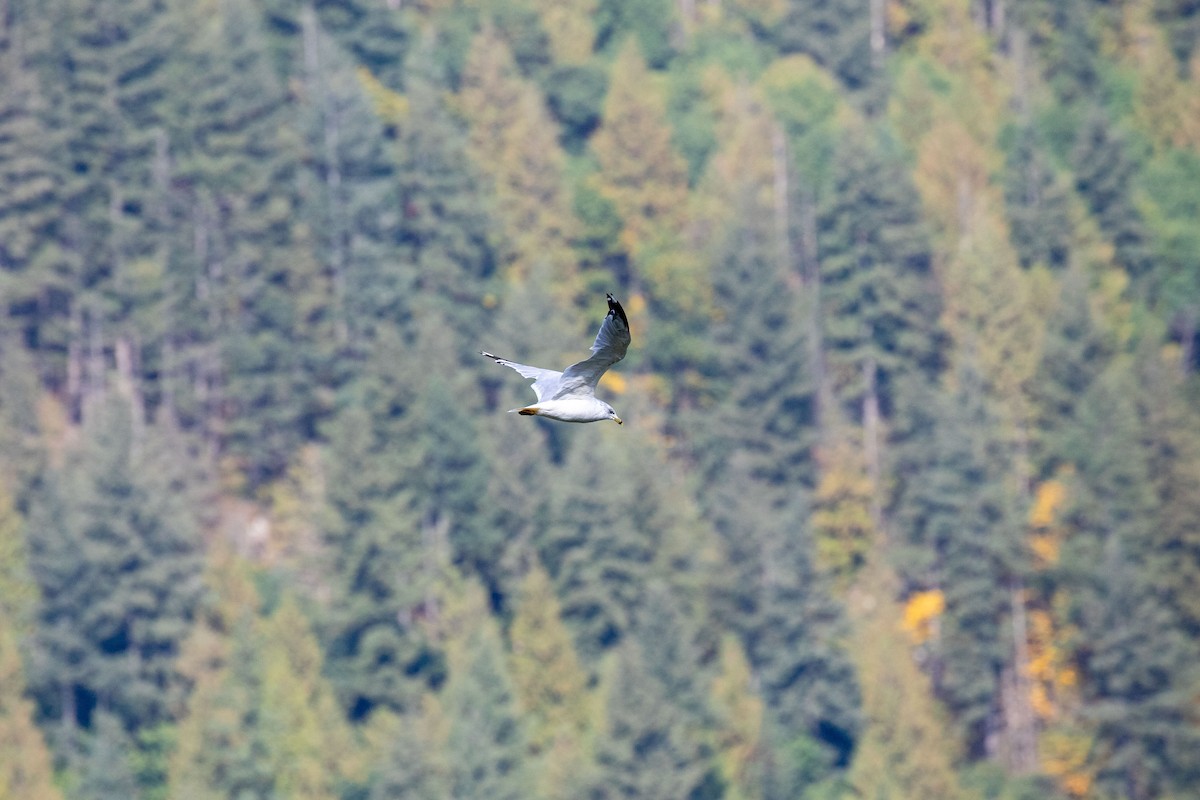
(611, 343)
(545, 381)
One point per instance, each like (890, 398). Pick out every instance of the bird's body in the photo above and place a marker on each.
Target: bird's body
(570, 395)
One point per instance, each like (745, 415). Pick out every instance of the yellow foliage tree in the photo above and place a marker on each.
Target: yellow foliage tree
(841, 517)
(740, 736)
(311, 747)
(1166, 107)
(570, 29)
(514, 142)
(641, 173)
(25, 769)
(551, 686)
(921, 614)
(905, 751)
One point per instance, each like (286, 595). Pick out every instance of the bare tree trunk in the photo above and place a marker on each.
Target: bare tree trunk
(75, 363)
(125, 351)
(878, 12)
(331, 134)
(782, 197)
(1019, 722)
(94, 372)
(871, 445)
(997, 18)
(1019, 718)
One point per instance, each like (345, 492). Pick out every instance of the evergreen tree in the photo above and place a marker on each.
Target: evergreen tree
(348, 185)
(1037, 203)
(794, 634)
(1138, 669)
(1104, 169)
(22, 450)
(106, 771)
(221, 750)
(570, 29)
(515, 144)
(641, 174)
(1074, 352)
(648, 23)
(27, 268)
(264, 723)
(739, 714)
(443, 234)
(550, 687)
(246, 280)
(380, 570)
(1171, 436)
(1133, 656)
(834, 32)
(599, 558)
(25, 768)
(486, 742)
(113, 548)
(904, 750)
(310, 746)
(652, 745)
(415, 764)
(877, 305)
(960, 519)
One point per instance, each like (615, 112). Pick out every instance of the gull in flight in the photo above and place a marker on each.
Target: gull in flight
(570, 395)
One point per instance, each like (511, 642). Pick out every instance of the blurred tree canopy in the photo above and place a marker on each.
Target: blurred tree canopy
(906, 505)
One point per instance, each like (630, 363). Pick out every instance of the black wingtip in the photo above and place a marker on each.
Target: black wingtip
(614, 307)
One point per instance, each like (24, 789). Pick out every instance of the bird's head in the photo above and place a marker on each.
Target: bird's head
(613, 415)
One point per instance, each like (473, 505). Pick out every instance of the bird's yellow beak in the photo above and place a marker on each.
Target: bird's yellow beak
(618, 420)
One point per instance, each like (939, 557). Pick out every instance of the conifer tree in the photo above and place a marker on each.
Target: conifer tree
(265, 721)
(877, 293)
(652, 744)
(1133, 656)
(113, 546)
(221, 750)
(1037, 203)
(22, 452)
(348, 185)
(834, 32)
(599, 558)
(27, 269)
(486, 741)
(26, 770)
(904, 750)
(641, 174)
(379, 568)
(962, 536)
(739, 713)
(246, 279)
(1171, 437)
(415, 764)
(515, 144)
(550, 687)
(105, 771)
(569, 28)
(1108, 189)
(443, 233)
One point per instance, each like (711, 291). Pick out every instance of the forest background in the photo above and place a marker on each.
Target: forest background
(907, 504)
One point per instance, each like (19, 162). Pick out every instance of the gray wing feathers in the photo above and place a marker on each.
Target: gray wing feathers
(545, 381)
(611, 343)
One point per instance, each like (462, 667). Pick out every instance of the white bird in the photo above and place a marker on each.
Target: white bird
(570, 395)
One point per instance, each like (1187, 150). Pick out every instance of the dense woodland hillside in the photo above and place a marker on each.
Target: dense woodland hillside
(907, 501)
